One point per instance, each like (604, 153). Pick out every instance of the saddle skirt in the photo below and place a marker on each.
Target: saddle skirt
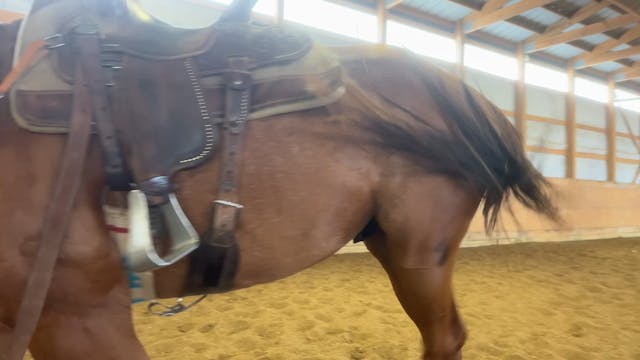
(167, 84)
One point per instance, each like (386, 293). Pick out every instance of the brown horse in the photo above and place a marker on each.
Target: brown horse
(403, 159)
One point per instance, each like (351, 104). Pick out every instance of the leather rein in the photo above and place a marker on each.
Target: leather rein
(87, 89)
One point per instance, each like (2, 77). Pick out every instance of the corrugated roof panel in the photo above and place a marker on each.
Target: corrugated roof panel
(596, 39)
(442, 9)
(607, 13)
(564, 51)
(542, 16)
(620, 47)
(573, 27)
(579, 2)
(608, 66)
(508, 31)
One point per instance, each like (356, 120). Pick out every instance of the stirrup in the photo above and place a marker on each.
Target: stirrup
(141, 253)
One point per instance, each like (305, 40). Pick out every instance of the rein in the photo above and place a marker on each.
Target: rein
(87, 88)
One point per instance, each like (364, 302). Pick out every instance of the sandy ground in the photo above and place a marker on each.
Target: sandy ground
(531, 301)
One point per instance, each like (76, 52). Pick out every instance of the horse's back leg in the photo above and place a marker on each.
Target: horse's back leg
(419, 231)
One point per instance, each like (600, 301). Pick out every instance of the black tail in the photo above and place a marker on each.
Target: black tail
(480, 145)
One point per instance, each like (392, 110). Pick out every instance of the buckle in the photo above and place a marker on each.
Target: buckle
(54, 41)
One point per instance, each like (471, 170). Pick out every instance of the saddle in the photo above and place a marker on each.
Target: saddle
(172, 96)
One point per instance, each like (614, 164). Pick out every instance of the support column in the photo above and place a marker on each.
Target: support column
(459, 50)
(382, 22)
(521, 98)
(280, 12)
(570, 123)
(611, 132)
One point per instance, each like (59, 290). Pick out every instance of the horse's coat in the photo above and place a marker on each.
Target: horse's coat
(409, 146)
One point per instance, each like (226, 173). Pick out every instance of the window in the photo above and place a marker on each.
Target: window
(421, 42)
(545, 77)
(491, 62)
(328, 16)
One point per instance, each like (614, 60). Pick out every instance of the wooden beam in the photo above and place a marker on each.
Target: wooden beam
(488, 7)
(579, 16)
(392, 4)
(570, 125)
(548, 120)
(521, 98)
(9, 16)
(280, 12)
(581, 155)
(628, 74)
(547, 41)
(622, 5)
(483, 19)
(628, 36)
(608, 56)
(382, 21)
(611, 133)
(459, 50)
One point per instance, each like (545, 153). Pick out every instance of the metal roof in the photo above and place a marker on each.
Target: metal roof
(526, 23)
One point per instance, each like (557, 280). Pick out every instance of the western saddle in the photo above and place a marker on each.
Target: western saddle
(165, 97)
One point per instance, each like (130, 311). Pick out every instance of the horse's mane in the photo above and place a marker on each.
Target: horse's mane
(479, 144)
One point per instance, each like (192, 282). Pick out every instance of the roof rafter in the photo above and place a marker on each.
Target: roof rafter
(476, 22)
(624, 6)
(579, 16)
(628, 74)
(391, 4)
(547, 41)
(608, 56)
(608, 45)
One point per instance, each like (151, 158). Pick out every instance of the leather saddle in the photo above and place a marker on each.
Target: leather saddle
(168, 97)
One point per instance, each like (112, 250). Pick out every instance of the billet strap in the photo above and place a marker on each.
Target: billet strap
(218, 260)
(32, 54)
(58, 214)
(226, 207)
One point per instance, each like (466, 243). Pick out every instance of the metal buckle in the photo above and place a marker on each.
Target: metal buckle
(228, 204)
(54, 41)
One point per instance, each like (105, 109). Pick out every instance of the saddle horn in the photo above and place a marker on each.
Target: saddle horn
(238, 12)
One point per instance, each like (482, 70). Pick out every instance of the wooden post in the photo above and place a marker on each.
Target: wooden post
(382, 21)
(280, 12)
(521, 98)
(459, 50)
(570, 123)
(611, 132)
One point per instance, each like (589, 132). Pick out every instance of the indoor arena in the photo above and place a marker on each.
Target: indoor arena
(320, 179)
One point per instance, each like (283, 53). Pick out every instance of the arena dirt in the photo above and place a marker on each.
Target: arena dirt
(531, 301)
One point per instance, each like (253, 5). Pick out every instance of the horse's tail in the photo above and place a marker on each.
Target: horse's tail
(480, 145)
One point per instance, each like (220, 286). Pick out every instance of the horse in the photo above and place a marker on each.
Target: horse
(401, 162)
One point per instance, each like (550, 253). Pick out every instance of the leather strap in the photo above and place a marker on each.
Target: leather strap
(214, 264)
(58, 214)
(226, 208)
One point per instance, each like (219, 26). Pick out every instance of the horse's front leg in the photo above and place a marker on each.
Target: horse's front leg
(101, 332)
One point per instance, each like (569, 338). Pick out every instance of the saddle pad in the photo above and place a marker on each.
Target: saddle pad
(289, 73)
